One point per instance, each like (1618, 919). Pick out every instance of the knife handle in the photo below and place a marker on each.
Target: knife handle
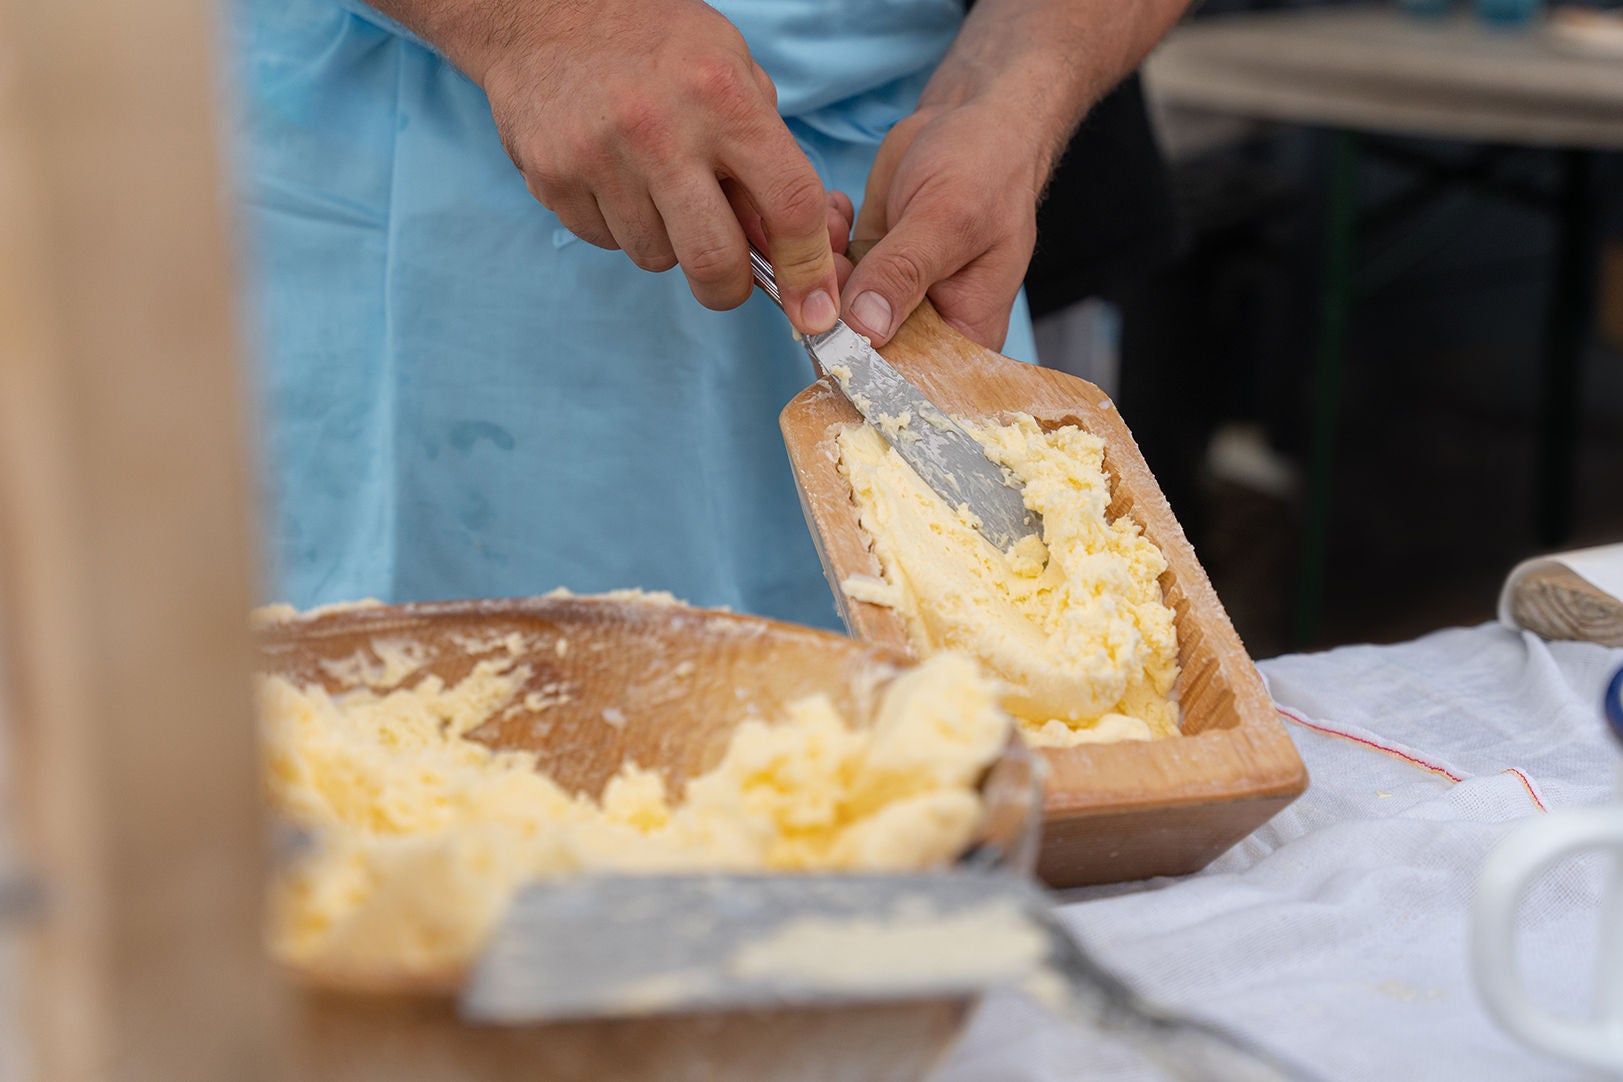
(761, 268)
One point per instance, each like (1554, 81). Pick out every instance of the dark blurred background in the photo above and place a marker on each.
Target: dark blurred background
(1209, 351)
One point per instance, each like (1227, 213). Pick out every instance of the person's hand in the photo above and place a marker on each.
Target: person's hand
(953, 195)
(646, 126)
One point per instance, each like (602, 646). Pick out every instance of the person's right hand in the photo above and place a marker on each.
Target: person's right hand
(645, 126)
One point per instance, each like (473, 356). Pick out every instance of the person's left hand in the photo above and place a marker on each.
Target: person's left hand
(953, 195)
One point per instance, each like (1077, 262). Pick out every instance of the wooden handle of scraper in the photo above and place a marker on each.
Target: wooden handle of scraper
(1558, 603)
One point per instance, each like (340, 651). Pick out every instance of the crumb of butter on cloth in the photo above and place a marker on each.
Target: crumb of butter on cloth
(1074, 621)
(423, 836)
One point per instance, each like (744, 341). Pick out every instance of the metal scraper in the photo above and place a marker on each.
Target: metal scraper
(626, 946)
(948, 458)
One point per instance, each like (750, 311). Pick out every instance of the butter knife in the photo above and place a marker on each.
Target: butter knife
(605, 946)
(948, 458)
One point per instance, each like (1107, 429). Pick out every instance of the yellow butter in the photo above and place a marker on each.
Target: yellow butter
(423, 836)
(1074, 621)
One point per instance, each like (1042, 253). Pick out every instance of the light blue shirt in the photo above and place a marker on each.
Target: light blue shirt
(458, 398)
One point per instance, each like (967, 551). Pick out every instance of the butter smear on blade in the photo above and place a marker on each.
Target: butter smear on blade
(423, 836)
(1073, 621)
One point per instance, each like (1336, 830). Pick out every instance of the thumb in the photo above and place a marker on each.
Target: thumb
(893, 278)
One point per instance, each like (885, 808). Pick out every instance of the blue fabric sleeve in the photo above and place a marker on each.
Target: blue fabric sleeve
(388, 22)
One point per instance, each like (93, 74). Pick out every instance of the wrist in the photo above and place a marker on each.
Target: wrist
(472, 34)
(1042, 64)
(1036, 105)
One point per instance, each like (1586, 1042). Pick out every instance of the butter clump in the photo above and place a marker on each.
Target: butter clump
(422, 836)
(1073, 620)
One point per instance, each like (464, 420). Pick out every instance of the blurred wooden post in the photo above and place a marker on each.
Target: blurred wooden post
(124, 575)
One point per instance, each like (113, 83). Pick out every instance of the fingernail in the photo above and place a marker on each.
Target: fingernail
(873, 312)
(819, 311)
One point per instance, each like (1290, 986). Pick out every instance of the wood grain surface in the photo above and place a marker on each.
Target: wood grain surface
(124, 569)
(1557, 603)
(1117, 811)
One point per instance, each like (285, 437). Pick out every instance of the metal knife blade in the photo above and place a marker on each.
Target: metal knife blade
(622, 946)
(940, 451)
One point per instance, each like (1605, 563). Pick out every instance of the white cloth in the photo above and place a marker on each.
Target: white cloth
(1337, 934)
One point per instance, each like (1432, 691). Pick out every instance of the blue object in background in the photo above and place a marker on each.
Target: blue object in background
(1614, 703)
(1508, 13)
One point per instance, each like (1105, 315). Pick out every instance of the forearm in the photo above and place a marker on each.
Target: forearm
(467, 32)
(1046, 62)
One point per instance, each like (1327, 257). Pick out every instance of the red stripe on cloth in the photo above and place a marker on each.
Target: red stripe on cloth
(1406, 756)
(1440, 771)
(1527, 783)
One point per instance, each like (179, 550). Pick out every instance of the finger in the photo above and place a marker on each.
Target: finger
(707, 240)
(924, 247)
(842, 203)
(769, 89)
(744, 211)
(842, 269)
(578, 212)
(639, 229)
(584, 218)
(785, 191)
(839, 222)
(839, 226)
(978, 299)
